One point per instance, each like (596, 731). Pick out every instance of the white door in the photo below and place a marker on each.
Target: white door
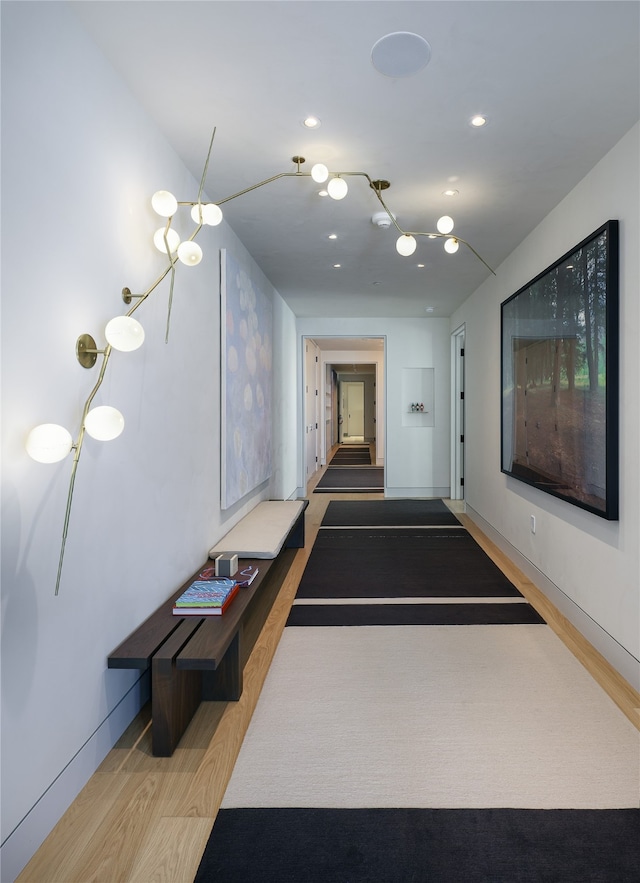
(353, 411)
(312, 377)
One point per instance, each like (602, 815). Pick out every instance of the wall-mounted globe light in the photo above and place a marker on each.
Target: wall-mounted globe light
(445, 224)
(104, 423)
(164, 203)
(48, 443)
(451, 245)
(190, 253)
(337, 188)
(319, 173)
(211, 213)
(124, 334)
(406, 245)
(172, 238)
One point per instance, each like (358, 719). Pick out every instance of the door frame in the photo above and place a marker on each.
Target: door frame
(456, 491)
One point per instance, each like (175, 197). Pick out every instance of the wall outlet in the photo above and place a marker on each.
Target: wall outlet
(533, 524)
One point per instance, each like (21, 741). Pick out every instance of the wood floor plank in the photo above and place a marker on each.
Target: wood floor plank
(171, 853)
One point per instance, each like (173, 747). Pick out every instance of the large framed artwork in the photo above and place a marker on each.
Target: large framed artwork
(560, 377)
(246, 376)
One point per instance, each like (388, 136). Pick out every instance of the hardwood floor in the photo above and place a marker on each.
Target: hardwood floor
(142, 818)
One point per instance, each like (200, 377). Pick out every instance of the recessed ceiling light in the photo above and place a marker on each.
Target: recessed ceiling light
(478, 121)
(450, 192)
(311, 123)
(421, 266)
(333, 235)
(323, 192)
(337, 266)
(429, 309)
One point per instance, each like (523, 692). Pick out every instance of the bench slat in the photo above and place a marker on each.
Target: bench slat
(136, 650)
(207, 647)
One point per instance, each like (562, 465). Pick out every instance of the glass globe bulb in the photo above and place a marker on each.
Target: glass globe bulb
(104, 423)
(124, 333)
(48, 443)
(319, 173)
(172, 238)
(445, 224)
(451, 245)
(190, 253)
(337, 188)
(164, 203)
(211, 213)
(406, 245)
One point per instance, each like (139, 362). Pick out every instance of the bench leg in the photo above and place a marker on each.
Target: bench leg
(295, 540)
(175, 696)
(225, 683)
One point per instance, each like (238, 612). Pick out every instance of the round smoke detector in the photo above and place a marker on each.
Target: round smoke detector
(381, 219)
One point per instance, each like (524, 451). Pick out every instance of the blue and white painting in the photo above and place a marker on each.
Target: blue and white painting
(247, 358)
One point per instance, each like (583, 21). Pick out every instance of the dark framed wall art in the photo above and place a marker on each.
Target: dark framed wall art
(560, 377)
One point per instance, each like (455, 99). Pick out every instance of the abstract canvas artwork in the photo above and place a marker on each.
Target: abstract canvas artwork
(246, 375)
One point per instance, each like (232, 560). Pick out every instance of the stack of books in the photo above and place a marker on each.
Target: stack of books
(209, 597)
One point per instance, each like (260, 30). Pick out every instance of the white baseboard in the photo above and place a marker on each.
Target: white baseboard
(29, 834)
(620, 658)
(395, 492)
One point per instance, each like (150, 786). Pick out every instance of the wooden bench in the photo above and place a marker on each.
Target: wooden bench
(196, 658)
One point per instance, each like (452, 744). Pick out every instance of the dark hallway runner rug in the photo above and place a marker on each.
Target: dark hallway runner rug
(351, 456)
(420, 723)
(305, 845)
(388, 513)
(351, 479)
(401, 562)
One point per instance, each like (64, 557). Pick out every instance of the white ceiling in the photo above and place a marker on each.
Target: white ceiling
(558, 81)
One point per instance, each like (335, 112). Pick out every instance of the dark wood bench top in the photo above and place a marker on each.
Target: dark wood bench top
(207, 638)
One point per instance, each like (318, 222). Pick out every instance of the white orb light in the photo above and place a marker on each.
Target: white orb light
(451, 245)
(337, 188)
(48, 443)
(445, 224)
(104, 423)
(164, 203)
(319, 173)
(172, 238)
(189, 253)
(124, 334)
(406, 245)
(211, 213)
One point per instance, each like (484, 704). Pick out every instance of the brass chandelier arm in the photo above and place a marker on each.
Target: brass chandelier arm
(261, 184)
(402, 232)
(76, 458)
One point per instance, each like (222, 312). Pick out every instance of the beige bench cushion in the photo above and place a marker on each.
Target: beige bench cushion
(261, 533)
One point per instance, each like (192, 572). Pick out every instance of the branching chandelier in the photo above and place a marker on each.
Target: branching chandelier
(50, 442)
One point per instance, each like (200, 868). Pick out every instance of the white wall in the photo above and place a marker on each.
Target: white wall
(80, 161)
(416, 458)
(590, 567)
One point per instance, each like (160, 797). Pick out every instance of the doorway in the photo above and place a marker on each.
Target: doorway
(352, 412)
